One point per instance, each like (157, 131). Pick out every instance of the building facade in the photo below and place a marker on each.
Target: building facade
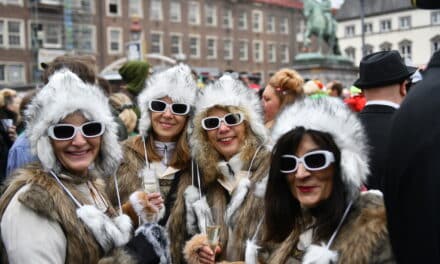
(255, 36)
(389, 25)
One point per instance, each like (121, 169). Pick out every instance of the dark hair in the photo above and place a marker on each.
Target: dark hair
(83, 66)
(337, 86)
(283, 213)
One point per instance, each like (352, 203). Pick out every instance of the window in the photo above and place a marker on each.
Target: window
(156, 10)
(228, 49)
(210, 15)
(113, 7)
(271, 52)
(270, 24)
(114, 40)
(435, 44)
(242, 20)
(284, 50)
(12, 2)
(135, 8)
(227, 18)
(351, 53)
(284, 25)
(193, 13)
(386, 46)
(84, 37)
(257, 21)
(53, 36)
(385, 25)
(368, 49)
(211, 47)
(12, 73)
(368, 28)
(435, 17)
(405, 22)
(84, 6)
(176, 44)
(258, 51)
(156, 42)
(405, 49)
(11, 33)
(350, 31)
(175, 11)
(243, 50)
(194, 46)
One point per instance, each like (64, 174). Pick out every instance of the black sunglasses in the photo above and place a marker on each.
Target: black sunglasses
(176, 108)
(67, 131)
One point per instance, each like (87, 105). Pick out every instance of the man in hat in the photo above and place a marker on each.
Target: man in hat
(412, 179)
(382, 77)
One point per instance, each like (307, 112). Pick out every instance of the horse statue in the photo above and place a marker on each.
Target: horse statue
(321, 23)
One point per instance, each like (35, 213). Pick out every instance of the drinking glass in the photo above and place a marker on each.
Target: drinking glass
(213, 223)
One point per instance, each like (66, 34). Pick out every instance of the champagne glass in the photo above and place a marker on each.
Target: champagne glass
(213, 222)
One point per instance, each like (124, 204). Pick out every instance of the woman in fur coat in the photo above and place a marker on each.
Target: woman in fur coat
(154, 170)
(228, 144)
(57, 211)
(316, 213)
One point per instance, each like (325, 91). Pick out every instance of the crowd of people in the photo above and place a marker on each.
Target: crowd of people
(164, 171)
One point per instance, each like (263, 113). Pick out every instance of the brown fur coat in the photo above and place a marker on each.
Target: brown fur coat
(363, 238)
(47, 198)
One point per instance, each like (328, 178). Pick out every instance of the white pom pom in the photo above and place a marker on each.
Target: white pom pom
(319, 255)
(251, 255)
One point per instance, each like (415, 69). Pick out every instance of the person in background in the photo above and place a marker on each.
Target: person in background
(334, 89)
(123, 106)
(155, 168)
(284, 87)
(9, 116)
(411, 175)
(383, 77)
(356, 99)
(134, 74)
(315, 211)
(56, 211)
(228, 143)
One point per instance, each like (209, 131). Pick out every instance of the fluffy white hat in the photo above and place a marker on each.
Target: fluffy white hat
(331, 115)
(64, 94)
(230, 92)
(176, 83)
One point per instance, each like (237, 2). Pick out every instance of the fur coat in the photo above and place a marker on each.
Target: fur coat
(363, 238)
(47, 198)
(129, 181)
(243, 208)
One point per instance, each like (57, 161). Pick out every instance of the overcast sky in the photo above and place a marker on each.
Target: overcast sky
(337, 3)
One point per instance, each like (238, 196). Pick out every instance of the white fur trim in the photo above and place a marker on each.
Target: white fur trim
(373, 192)
(143, 212)
(64, 94)
(319, 255)
(176, 83)
(260, 187)
(203, 214)
(331, 115)
(251, 254)
(153, 233)
(108, 232)
(237, 199)
(228, 92)
(191, 195)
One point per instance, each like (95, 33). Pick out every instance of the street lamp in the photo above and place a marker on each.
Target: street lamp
(363, 26)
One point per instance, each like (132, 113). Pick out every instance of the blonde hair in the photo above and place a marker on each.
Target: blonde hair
(288, 85)
(124, 106)
(6, 94)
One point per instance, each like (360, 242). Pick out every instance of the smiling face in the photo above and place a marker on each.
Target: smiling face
(227, 140)
(78, 153)
(167, 126)
(271, 103)
(310, 187)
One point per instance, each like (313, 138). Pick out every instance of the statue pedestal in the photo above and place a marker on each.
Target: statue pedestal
(326, 68)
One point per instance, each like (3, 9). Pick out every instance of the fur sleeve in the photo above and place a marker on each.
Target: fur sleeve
(192, 246)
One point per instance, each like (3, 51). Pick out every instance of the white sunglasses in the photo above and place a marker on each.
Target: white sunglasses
(312, 161)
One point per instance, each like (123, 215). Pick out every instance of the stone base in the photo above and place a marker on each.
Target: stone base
(326, 68)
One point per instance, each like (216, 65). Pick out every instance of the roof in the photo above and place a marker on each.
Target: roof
(284, 3)
(352, 8)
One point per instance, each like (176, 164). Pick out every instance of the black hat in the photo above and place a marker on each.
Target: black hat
(382, 68)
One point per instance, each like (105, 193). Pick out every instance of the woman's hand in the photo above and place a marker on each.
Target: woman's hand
(206, 255)
(12, 133)
(155, 199)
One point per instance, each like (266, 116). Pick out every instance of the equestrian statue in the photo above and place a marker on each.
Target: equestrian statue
(320, 22)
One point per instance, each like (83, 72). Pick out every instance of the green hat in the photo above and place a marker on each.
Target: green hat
(134, 74)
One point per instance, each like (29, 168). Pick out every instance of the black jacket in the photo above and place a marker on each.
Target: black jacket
(412, 180)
